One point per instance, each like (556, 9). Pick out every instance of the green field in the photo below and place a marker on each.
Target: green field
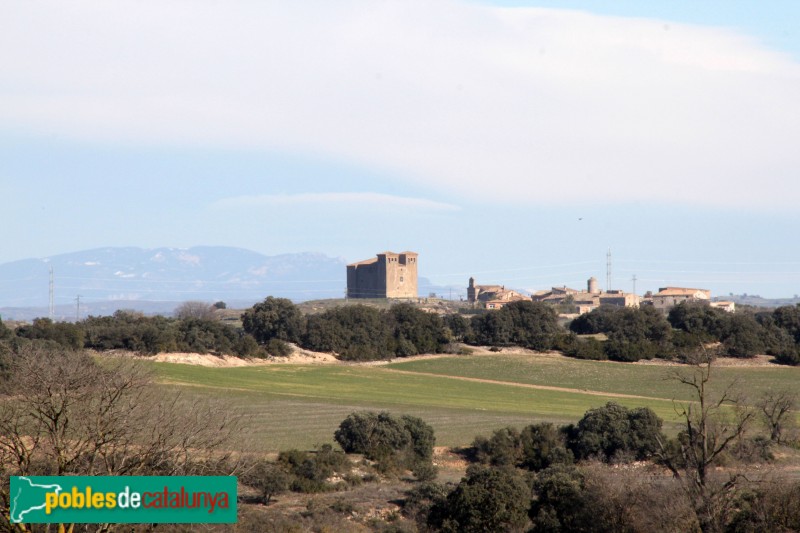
(301, 405)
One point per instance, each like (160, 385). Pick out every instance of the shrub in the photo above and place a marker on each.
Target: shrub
(558, 503)
(612, 430)
(279, 348)
(274, 318)
(503, 448)
(543, 445)
(487, 499)
(588, 348)
(416, 331)
(310, 471)
(395, 443)
(268, 478)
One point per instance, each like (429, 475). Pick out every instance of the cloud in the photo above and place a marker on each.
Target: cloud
(345, 199)
(505, 105)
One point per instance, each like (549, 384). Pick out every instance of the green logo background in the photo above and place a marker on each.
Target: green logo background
(28, 499)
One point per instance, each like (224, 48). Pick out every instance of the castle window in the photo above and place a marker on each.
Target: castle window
(401, 279)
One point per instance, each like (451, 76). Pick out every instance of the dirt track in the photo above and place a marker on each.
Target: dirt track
(530, 386)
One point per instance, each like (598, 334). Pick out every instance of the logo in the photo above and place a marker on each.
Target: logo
(123, 499)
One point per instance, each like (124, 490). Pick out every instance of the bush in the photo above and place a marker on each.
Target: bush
(310, 471)
(274, 318)
(416, 331)
(707, 323)
(503, 448)
(269, 479)
(127, 330)
(424, 471)
(744, 339)
(487, 499)
(420, 499)
(534, 448)
(204, 336)
(613, 430)
(279, 348)
(588, 348)
(558, 503)
(543, 445)
(395, 443)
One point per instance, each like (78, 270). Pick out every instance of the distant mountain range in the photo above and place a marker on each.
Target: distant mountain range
(158, 280)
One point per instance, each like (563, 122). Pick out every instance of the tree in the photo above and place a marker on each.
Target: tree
(422, 332)
(274, 318)
(5, 332)
(354, 332)
(530, 324)
(633, 334)
(503, 448)
(487, 499)
(268, 478)
(534, 448)
(195, 309)
(559, 502)
(744, 338)
(535, 324)
(422, 437)
(458, 325)
(66, 334)
(700, 319)
(777, 408)
(62, 413)
(712, 423)
(543, 445)
(404, 442)
(613, 429)
(788, 318)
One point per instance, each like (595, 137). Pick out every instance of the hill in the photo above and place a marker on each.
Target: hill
(156, 280)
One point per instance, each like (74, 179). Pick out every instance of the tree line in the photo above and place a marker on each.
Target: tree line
(645, 333)
(362, 333)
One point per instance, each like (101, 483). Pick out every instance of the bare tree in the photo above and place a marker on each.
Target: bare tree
(63, 413)
(195, 309)
(776, 408)
(712, 423)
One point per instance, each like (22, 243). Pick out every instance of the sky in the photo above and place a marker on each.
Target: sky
(513, 141)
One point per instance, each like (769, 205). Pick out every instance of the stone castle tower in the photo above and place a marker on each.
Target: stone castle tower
(387, 275)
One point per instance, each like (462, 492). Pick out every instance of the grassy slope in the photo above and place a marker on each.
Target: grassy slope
(642, 380)
(301, 405)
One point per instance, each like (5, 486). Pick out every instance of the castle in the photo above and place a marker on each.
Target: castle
(387, 275)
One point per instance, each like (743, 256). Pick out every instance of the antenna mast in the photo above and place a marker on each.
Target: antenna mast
(608, 270)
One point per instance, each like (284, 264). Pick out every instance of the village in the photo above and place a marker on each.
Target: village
(394, 276)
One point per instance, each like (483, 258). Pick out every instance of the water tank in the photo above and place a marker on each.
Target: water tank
(592, 286)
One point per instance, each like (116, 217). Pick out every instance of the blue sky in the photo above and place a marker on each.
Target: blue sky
(514, 141)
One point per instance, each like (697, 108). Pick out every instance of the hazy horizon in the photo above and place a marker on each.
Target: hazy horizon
(516, 141)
